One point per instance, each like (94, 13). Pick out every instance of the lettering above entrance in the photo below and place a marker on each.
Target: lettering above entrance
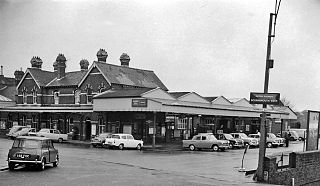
(139, 103)
(265, 98)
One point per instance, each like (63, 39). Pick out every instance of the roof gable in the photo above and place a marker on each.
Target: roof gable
(221, 100)
(41, 77)
(193, 97)
(240, 102)
(158, 93)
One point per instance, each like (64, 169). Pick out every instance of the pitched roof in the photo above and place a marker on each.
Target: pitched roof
(130, 76)
(70, 79)
(9, 92)
(178, 94)
(41, 77)
(4, 99)
(210, 99)
(118, 93)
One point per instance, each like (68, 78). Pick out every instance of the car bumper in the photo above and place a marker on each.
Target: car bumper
(25, 161)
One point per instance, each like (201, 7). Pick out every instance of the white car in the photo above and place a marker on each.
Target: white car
(53, 134)
(123, 141)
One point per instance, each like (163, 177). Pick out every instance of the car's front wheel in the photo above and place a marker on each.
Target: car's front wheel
(231, 146)
(11, 166)
(42, 165)
(56, 162)
(269, 145)
(121, 146)
(215, 148)
(60, 140)
(192, 147)
(139, 147)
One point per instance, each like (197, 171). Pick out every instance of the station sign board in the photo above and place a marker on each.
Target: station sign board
(312, 130)
(139, 103)
(265, 98)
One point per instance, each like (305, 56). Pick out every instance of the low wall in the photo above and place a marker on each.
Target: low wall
(304, 167)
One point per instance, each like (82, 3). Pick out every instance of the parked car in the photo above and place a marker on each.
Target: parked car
(205, 141)
(32, 150)
(15, 129)
(53, 134)
(302, 133)
(293, 135)
(247, 140)
(100, 139)
(271, 140)
(122, 141)
(23, 132)
(233, 143)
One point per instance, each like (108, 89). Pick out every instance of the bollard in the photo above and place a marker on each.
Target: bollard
(245, 151)
(292, 181)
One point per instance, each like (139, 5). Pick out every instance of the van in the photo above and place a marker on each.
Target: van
(293, 135)
(15, 129)
(302, 133)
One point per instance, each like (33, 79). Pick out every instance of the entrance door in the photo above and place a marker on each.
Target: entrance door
(88, 130)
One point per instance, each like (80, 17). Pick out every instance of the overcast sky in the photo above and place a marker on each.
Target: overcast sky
(211, 47)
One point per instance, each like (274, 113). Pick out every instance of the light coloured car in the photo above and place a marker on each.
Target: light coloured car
(53, 134)
(122, 141)
(23, 132)
(271, 140)
(15, 129)
(205, 141)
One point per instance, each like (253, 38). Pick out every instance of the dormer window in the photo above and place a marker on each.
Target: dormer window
(56, 97)
(24, 95)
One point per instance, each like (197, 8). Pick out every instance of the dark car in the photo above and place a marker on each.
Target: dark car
(32, 151)
(233, 143)
(99, 140)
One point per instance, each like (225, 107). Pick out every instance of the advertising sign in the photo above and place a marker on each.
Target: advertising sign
(312, 130)
(265, 98)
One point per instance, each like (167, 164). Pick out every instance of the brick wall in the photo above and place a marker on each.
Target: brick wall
(303, 167)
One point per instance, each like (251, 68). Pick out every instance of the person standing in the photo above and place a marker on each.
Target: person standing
(287, 137)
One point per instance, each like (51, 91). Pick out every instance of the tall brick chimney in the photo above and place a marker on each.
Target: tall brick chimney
(36, 62)
(102, 55)
(125, 59)
(61, 66)
(18, 74)
(84, 64)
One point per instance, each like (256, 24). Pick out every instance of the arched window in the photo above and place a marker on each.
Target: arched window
(101, 88)
(24, 95)
(77, 96)
(34, 95)
(56, 97)
(89, 93)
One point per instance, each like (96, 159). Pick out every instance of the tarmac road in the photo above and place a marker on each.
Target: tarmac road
(97, 166)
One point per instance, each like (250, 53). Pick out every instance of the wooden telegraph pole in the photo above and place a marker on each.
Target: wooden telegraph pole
(269, 64)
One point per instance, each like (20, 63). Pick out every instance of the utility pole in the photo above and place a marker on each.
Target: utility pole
(269, 64)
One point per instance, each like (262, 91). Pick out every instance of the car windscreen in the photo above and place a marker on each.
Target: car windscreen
(115, 136)
(243, 135)
(271, 135)
(22, 143)
(228, 136)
